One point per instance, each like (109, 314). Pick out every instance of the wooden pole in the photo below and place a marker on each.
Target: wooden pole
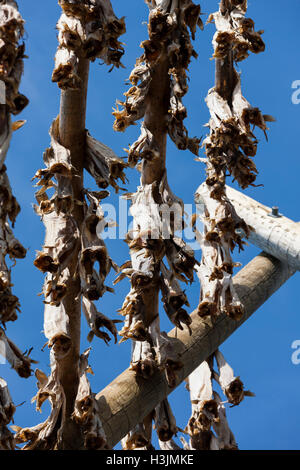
(275, 234)
(128, 399)
(72, 136)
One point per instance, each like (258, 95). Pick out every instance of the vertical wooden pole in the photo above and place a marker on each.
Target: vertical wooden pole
(72, 136)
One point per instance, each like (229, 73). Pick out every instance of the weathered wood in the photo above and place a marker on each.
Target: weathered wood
(278, 236)
(72, 136)
(128, 399)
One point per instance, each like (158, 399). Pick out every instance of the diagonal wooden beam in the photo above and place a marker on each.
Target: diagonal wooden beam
(273, 233)
(128, 399)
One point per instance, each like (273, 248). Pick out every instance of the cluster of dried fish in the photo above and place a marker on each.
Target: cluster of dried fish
(87, 29)
(74, 256)
(229, 148)
(63, 239)
(208, 410)
(159, 82)
(207, 427)
(223, 230)
(150, 241)
(86, 411)
(163, 422)
(12, 102)
(93, 250)
(169, 41)
(43, 435)
(7, 410)
(159, 258)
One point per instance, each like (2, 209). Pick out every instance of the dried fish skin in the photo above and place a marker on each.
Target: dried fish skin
(89, 30)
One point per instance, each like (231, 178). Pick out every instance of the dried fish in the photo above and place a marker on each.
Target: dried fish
(7, 410)
(86, 29)
(86, 410)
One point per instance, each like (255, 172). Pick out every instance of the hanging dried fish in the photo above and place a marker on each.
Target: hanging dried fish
(18, 361)
(7, 410)
(103, 164)
(142, 359)
(58, 166)
(174, 299)
(165, 423)
(159, 83)
(89, 30)
(97, 320)
(167, 359)
(226, 439)
(168, 34)
(74, 221)
(139, 438)
(86, 411)
(146, 250)
(44, 436)
(221, 234)
(204, 407)
(229, 147)
(208, 410)
(168, 445)
(56, 329)
(11, 65)
(12, 102)
(60, 241)
(232, 386)
(93, 250)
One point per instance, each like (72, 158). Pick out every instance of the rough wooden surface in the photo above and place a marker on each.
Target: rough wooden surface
(72, 136)
(128, 399)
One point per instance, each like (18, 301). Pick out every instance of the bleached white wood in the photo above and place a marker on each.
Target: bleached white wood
(278, 236)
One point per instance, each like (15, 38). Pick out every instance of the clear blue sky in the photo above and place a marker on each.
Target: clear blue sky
(260, 351)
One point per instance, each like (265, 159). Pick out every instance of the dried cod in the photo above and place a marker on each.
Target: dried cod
(45, 436)
(168, 27)
(86, 30)
(229, 147)
(86, 411)
(7, 410)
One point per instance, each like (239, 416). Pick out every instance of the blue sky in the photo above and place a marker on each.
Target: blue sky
(260, 351)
